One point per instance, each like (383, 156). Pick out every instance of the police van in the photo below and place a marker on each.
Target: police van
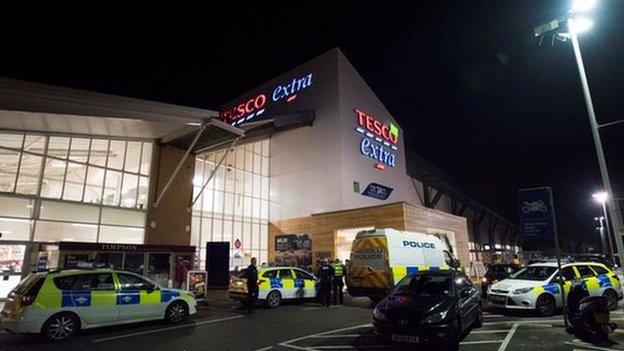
(381, 258)
(60, 303)
(275, 284)
(536, 286)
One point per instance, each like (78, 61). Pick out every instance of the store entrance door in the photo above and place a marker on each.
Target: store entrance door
(344, 239)
(11, 262)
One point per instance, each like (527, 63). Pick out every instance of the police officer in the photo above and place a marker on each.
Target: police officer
(325, 273)
(338, 271)
(252, 285)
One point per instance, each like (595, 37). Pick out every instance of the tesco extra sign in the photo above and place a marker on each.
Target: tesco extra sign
(418, 244)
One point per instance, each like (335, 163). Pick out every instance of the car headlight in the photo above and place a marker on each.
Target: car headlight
(377, 314)
(521, 291)
(436, 317)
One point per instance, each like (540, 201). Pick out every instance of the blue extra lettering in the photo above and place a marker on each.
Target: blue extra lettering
(377, 152)
(296, 85)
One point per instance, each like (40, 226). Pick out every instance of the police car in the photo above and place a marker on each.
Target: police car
(535, 287)
(276, 284)
(60, 303)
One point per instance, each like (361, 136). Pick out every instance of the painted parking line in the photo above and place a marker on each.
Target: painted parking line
(480, 342)
(490, 331)
(152, 331)
(507, 339)
(589, 346)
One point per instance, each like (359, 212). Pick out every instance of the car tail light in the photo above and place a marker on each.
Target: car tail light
(29, 295)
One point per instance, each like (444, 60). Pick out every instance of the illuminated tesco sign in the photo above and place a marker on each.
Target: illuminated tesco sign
(379, 139)
(252, 108)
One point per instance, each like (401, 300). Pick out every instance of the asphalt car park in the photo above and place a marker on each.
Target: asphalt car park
(307, 326)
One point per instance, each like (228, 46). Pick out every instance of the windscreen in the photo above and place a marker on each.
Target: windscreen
(535, 273)
(424, 285)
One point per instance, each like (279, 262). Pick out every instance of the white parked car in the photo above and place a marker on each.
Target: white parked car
(535, 287)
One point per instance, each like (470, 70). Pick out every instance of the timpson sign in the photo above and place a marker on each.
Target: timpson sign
(250, 109)
(379, 140)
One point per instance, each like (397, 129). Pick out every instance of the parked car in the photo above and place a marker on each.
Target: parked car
(436, 307)
(536, 287)
(496, 273)
(60, 303)
(275, 285)
(593, 258)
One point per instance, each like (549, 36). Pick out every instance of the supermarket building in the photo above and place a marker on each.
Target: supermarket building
(287, 172)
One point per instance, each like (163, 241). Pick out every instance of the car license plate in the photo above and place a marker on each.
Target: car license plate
(498, 298)
(404, 338)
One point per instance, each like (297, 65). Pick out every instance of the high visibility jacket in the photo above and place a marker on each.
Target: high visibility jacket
(338, 270)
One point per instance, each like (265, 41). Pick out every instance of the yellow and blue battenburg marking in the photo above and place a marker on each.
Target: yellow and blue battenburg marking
(76, 298)
(398, 272)
(86, 298)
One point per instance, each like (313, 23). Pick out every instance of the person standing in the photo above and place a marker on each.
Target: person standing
(338, 271)
(252, 285)
(325, 273)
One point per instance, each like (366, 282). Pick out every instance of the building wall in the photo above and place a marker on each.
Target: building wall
(401, 216)
(170, 222)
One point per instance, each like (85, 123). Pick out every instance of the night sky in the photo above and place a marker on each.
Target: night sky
(467, 80)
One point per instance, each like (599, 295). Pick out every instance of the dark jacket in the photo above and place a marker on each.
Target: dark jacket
(325, 273)
(252, 276)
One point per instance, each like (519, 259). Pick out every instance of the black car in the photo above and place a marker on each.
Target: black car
(429, 307)
(496, 273)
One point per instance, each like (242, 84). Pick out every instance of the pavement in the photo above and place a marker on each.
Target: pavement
(222, 325)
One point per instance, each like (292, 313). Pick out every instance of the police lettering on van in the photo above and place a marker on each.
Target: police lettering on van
(420, 245)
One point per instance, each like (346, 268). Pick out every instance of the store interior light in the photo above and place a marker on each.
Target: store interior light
(583, 5)
(198, 181)
(580, 24)
(601, 197)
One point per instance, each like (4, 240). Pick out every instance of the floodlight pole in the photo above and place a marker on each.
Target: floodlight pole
(614, 209)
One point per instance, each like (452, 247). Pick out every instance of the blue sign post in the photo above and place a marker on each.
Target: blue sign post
(537, 216)
(377, 191)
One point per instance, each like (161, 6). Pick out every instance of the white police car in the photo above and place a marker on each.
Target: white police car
(60, 303)
(535, 287)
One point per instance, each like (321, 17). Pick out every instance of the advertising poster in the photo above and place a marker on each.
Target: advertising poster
(196, 283)
(293, 250)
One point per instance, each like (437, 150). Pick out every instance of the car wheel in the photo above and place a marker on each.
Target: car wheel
(61, 326)
(479, 320)
(612, 299)
(545, 305)
(176, 312)
(274, 299)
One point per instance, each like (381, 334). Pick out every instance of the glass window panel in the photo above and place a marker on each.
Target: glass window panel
(229, 179)
(257, 147)
(265, 147)
(264, 256)
(207, 200)
(265, 166)
(217, 230)
(228, 210)
(59, 231)
(146, 158)
(12, 140)
(255, 210)
(239, 181)
(206, 231)
(112, 189)
(34, 143)
(119, 216)
(14, 229)
(129, 190)
(143, 192)
(195, 230)
(227, 232)
(240, 157)
(94, 183)
(246, 208)
(64, 211)
(9, 160)
(99, 150)
(117, 150)
(74, 181)
(257, 164)
(79, 149)
(29, 172)
(121, 235)
(218, 203)
(248, 161)
(219, 178)
(133, 154)
(264, 209)
(15, 207)
(229, 159)
(238, 207)
(264, 237)
(246, 236)
(58, 146)
(247, 183)
(265, 188)
(257, 185)
(255, 236)
(237, 231)
(53, 174)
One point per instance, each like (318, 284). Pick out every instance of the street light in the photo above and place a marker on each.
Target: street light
(575, 24)
(602, 198)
